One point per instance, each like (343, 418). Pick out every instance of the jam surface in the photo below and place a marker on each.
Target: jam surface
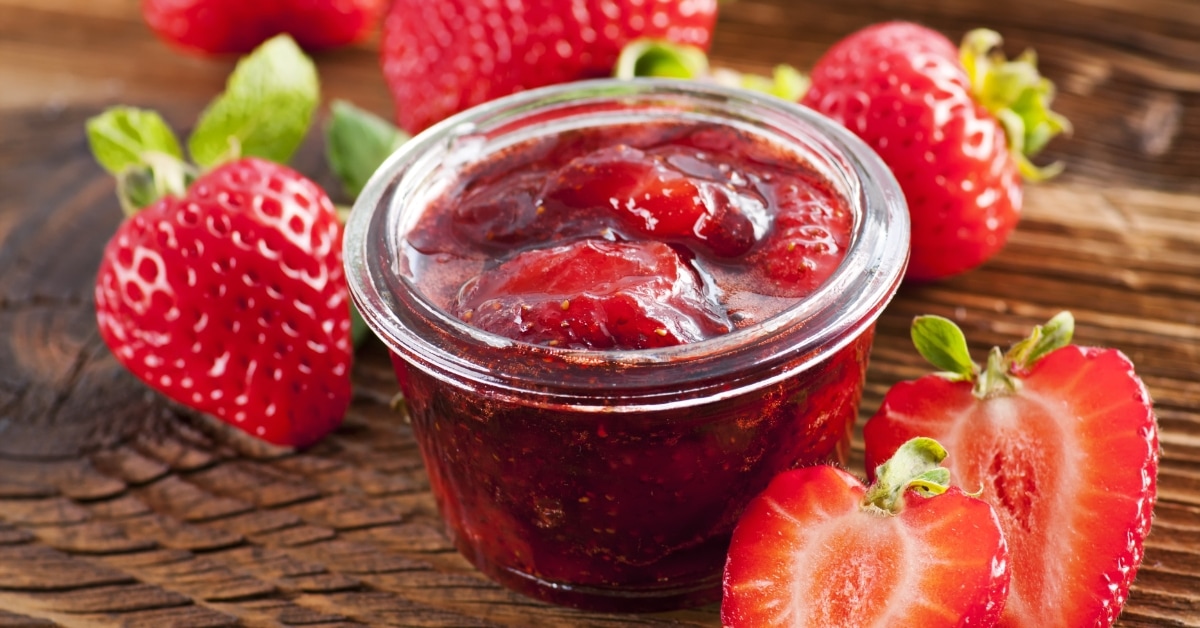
(629, 237)
(625, 237)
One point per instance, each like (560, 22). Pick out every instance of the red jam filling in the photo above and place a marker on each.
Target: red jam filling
(655, 236)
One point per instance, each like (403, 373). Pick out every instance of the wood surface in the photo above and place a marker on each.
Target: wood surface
(115, 510)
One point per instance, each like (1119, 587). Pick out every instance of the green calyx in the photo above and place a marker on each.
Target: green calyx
(916, 465)
(1017, 95)
(658, 58)
(265, 112)
(943, 344)
(139, 148)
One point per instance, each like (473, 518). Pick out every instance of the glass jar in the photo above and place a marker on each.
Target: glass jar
(612, 480)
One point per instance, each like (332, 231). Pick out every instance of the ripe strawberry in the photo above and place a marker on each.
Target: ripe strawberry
(442, 57)
(593, 294)
(819, 549)
(954, 132)
(228, 295)
(232, 300)
(223, 26)
(1063, 443)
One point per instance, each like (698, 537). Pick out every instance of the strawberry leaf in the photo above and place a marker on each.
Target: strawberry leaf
(265, 110)
(1017, 95)
(122, 137)
(655, 57)
(140, 149)
(785, 82)
(357, 143)
(942, 343)
(1055, 334)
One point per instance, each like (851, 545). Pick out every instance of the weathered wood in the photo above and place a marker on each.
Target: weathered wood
(115, 509)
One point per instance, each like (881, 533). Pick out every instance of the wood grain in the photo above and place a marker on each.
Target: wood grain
(115, 509)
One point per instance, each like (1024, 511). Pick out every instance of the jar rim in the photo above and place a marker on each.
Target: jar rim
(413, 326)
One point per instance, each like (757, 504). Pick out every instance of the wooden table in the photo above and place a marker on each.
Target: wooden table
(114, 510)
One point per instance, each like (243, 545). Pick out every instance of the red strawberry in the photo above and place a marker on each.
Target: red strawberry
(955, 136)
(442, 57)
(1063, 443)
(229, 295)
(593, 294)
(232, 300)
(819, 549)
(222, 26)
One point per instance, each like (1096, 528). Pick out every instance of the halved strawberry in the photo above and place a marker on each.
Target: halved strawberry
(593, 294)
(817, 549)
(1061, 440)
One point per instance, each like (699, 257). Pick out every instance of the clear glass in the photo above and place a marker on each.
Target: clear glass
(611, 480)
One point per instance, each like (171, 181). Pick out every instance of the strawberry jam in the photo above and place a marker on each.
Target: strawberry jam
(650, 235)
(615, 320)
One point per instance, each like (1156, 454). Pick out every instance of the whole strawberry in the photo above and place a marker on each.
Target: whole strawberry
(442, 57)
(955, 129)
(820, 550)
(226, 291)
(1061, 440)
(224, 26)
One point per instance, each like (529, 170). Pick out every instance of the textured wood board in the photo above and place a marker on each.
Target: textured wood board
(115, 510)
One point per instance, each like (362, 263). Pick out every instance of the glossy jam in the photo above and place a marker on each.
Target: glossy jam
(613, 509)
(753, 228)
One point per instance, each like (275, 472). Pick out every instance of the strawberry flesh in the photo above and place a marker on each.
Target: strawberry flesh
(232, 300)
(1069, 463)
(807, 553)
(593, 294)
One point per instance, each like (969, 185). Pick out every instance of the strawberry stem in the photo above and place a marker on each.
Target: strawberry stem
(1017, 95)
(655, 57)
(916, 466)
(995, 379)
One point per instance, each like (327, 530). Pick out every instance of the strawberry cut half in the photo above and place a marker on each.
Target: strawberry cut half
(1062, 441)
(819, 549)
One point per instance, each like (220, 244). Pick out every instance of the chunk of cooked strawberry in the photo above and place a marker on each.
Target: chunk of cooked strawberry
(593, 294)
(808, 241)
(1062, 441)
(653, 197)
(818, 549)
